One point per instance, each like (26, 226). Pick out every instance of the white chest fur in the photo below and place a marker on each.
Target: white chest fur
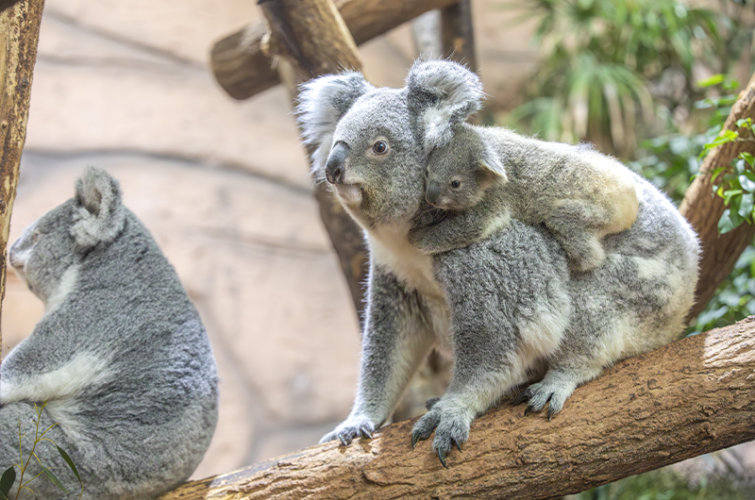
(391, 249)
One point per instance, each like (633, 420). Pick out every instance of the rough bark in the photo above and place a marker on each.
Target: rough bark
(692, 397)
(313, 39)
(457, 34)
(242, 69)
(703, 209)
(19, 33)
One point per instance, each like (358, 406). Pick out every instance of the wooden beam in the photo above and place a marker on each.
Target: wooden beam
(457, 34)
(19, 35)
(692, 397)
(243, 70)
(703, 209)
(313, 40)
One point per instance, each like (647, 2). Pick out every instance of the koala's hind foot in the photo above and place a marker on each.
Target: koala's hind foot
(450, 420)
(584, 250)
(555, 388)
(574, 224)
(349, 429)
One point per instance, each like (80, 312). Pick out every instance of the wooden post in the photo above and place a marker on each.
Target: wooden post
(243, 69)
(703, 209)
(313, 38)
(19, 34)
(457, 34)
(691, 397)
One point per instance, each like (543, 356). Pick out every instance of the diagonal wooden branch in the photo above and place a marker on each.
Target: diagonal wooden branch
(243, 69)
(703, 209)
(19, 34)
(312, 39)
(692, 397)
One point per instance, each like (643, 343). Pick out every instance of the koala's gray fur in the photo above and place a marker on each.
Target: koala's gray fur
(507, 306)
(120, 356)
(579, 194)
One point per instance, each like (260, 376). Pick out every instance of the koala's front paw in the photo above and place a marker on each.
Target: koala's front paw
(351, 428)
(541, 393)
(451, 425)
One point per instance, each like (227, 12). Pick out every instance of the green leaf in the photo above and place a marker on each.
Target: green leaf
(744, 122)
(69, 462)
(7, 480)
(726, 224)
(747, 182)
(716, 173)
(745, 206)
(748, 158)
(53, 479)
(713, 80)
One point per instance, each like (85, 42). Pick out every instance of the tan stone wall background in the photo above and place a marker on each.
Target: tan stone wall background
(224, 188)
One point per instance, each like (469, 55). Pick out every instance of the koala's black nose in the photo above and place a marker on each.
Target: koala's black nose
(433, 193)
(335, 166)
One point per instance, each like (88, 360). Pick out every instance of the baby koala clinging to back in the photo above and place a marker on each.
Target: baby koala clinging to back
(579, 194)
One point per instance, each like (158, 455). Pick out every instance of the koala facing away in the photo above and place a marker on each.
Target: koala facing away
(120, 356)
(579, 194)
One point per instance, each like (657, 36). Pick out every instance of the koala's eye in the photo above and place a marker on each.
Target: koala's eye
(35, 236)
(434, 99)
(455, 184)
(380, 147)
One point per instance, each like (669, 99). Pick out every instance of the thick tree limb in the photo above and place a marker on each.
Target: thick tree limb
(19, 34)
(312, 38)
(692, 397)
(703, 209)
(243, 69)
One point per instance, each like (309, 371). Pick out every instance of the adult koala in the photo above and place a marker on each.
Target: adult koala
(507, 306)
(120, 357)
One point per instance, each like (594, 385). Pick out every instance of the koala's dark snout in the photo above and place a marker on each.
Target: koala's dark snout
(335, 166)
(433, 193)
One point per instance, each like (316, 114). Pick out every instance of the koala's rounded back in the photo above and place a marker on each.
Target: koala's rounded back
(120, 356)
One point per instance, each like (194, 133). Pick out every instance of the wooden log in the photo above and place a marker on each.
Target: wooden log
(243, 70)
(703, 208)
(457, 34)
(691, 397)
(314, 40)
(19, 34)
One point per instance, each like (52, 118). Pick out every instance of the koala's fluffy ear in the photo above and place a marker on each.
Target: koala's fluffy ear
(491, 167)
(442, 94)
(100, 215)
(322, 102)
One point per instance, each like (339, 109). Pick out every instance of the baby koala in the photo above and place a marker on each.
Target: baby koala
(484, 176)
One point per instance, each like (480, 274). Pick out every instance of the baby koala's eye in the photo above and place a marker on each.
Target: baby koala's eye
(35, 236)
(380, 147)
(455, 184)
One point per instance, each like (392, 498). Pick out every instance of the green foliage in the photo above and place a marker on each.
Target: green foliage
(601, 58)
(663, 484)
(8, 479)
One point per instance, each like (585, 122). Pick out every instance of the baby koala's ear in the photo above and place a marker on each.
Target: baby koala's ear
(441, 94)
(491, 168)
(100, 215)
(322, 103)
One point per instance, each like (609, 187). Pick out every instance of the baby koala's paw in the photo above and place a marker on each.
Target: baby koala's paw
(537, 395)
(584, 256)
(451, 425)
(349, 429)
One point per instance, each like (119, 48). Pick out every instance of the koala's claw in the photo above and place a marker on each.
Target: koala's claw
(542, 393)
(442, 459)
(349, 430)
(450, 425)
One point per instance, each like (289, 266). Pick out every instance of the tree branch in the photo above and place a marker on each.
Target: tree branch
(703, 209)
(19, 34)
(243, 69)
(691, 397)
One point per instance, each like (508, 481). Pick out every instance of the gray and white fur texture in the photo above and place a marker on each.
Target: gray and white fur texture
(508, 306)
(579, 194)
(120, 355)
